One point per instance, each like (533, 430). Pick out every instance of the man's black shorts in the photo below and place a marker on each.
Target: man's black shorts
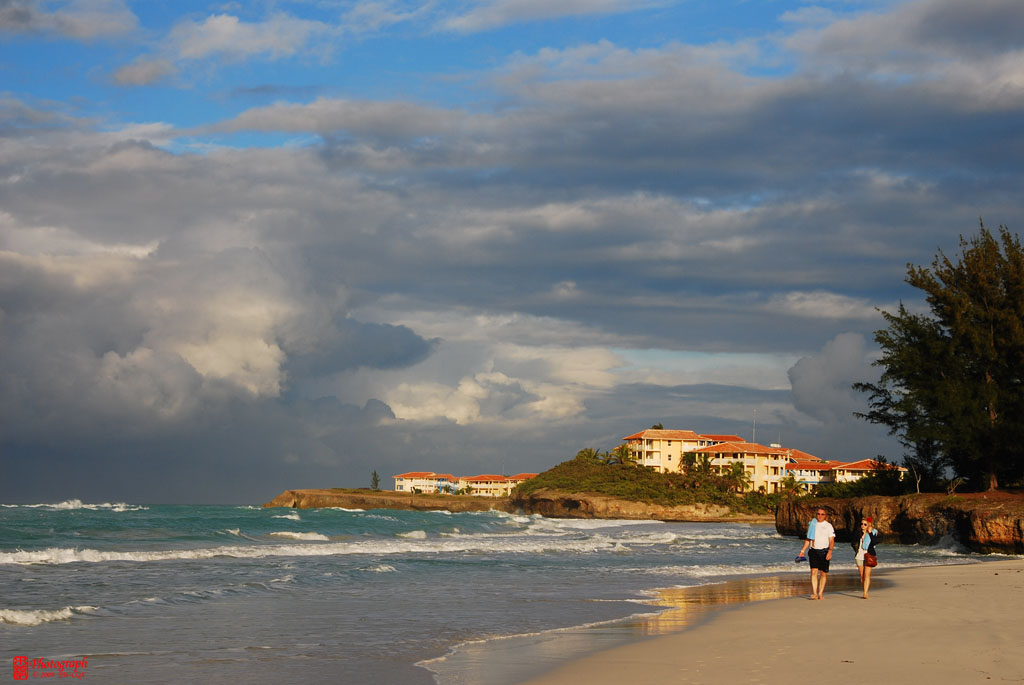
(817, 559)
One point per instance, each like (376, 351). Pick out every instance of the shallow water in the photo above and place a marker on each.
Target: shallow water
(152, 593)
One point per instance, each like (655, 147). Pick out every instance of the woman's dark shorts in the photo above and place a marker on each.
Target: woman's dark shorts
(817, 559)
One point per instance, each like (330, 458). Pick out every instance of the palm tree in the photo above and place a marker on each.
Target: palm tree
(620, 455)
(790, 485)
(737, 476)
(589, 454)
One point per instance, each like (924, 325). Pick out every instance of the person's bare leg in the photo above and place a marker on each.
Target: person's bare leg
(867, 580)
(814, 583)
(822, 579)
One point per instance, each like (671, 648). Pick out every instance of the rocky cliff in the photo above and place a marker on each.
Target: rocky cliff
(558, 504)
(551, 503)
(377, 499)
(982, 522)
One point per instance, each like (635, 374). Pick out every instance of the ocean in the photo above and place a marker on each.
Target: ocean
(156, 593)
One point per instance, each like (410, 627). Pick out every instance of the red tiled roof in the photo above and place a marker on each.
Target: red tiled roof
(747, 447)
(862, 465)
(800, 455)
(415, 474)
(809, 466)
(523, 476)
(484, 477)
(656, 434)
(721, 438)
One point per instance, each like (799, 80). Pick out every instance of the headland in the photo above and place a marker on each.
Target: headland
(550, 503)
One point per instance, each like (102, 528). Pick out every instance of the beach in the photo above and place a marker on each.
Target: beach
(936, 624)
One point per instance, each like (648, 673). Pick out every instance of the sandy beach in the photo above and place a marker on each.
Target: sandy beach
(937, 624)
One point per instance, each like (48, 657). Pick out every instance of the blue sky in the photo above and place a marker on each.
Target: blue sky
(250, 246)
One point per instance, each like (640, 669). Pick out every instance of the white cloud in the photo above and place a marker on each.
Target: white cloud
(223, 34)
(822, 304)
(497, 13)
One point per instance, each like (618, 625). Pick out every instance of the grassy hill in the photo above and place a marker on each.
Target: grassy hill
(586, 474)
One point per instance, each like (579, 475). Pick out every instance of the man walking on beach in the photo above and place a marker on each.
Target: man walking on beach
(821, 537)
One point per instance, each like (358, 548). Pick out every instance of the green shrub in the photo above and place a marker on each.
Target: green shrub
(588, 474)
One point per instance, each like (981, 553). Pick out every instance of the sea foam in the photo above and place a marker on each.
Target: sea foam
(300, 536)
(28, 617)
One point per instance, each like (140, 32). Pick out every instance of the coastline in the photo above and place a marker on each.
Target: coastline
(939, 624)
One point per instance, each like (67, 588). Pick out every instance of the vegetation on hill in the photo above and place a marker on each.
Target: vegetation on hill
(608, 474)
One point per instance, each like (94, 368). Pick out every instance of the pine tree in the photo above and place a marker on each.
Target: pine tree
(952, 386)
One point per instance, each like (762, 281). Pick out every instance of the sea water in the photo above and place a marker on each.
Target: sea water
(149, 593)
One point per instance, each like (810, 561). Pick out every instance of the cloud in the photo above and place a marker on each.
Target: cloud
(823, 304)
(555, 252)
(143, 71)
(225, 35)
(822, 383)
(78, 19)
(494, 14)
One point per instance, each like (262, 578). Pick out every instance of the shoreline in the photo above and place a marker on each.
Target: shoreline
(523, 657)
(953, 623)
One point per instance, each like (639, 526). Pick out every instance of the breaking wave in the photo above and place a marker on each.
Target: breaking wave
(71, 504)
(27, 617)
(300, 536)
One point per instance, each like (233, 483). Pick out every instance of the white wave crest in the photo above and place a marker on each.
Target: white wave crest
(451, 545)
(294, 516)
(300, 536)
(414, 535)
(28, 617)
(72, 504)
(234, 531)
(381, 568)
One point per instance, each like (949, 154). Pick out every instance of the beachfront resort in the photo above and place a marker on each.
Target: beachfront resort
(485, 485)
(664, 451)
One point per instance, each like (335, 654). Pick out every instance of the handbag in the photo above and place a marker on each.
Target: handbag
(870, 560)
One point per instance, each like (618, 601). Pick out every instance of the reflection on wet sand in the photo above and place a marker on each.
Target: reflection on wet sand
(520, 658)
(689, 605)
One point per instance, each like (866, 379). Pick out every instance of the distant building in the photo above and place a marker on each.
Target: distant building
(664, 451)
(487, 485)
(661, 450)
(764, 466)
(424, 481)
(812, 474)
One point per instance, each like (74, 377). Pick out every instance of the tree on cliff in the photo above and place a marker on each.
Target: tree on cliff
(952, 386)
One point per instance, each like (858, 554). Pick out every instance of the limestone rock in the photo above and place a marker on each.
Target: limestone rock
(982, 522)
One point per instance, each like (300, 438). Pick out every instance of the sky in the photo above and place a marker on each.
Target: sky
(251, 246)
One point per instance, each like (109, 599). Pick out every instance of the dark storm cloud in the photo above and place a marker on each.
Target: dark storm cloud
(990, 26)
(74, 20)
(354, 343)
(459, 289)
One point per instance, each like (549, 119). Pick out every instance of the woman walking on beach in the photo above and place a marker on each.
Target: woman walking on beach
(865, 547)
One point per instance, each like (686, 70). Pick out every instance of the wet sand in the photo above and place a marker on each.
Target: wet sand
(936, 624)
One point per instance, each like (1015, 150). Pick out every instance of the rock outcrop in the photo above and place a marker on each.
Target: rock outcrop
(550, 503)
(558, 504)
(376, 499)
(981, 522)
